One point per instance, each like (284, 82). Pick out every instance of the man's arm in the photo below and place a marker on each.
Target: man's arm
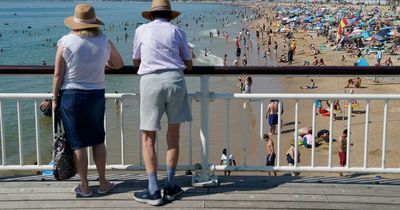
(189, 65)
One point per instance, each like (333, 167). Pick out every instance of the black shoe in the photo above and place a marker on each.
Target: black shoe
(171, 194)
(146, 197)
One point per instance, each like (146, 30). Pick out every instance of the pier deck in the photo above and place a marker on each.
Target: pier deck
(234, 192)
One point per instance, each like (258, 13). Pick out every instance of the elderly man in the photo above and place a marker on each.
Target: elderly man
(161, 51)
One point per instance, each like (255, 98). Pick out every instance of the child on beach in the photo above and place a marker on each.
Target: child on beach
(270, 151)
(342, 149)
(290, 154)
(227, 160)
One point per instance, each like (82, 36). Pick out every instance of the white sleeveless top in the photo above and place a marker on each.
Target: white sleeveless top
(85, 58)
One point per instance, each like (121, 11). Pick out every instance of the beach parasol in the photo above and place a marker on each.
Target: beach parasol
(365, 34)
(378, 37)
(356, 36)
(362, 24)
(356, 32)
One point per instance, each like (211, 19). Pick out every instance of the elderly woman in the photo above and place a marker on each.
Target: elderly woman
(78, 91)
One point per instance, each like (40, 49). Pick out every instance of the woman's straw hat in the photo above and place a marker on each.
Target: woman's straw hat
(84, 17)
(160, 5)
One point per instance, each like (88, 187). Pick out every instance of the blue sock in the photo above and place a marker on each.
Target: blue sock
(153, 186)
(169, 182)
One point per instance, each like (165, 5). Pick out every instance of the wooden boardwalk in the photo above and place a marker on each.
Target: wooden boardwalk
(234, 192)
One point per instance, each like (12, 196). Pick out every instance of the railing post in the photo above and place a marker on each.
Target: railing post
(2, 137)
(204, 176)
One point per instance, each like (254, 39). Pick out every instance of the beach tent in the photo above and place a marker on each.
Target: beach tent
(361, 62)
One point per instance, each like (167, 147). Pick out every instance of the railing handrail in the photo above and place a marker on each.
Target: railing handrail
(234, 70)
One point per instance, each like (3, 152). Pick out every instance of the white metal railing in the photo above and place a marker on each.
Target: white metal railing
(204, 96)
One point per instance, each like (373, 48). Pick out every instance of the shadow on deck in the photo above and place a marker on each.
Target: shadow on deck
(234, 192)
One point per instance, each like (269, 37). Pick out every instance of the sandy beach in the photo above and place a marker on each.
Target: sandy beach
(325, 85)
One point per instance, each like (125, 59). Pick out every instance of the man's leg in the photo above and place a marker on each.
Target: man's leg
(150, 158)
(172, 153)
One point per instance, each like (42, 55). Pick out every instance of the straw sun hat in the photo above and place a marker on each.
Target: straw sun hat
(84, 17)
(160, 5)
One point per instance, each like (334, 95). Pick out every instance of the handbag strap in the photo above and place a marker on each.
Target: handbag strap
(57, 123)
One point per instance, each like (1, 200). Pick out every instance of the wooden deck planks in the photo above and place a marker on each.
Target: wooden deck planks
(235, 192)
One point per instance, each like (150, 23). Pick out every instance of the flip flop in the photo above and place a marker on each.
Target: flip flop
(110, 186)
(77, 191)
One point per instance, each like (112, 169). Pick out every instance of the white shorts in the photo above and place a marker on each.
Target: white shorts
(160, 92)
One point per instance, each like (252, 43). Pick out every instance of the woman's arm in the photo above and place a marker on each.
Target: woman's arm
(115, 61)
(59, 70)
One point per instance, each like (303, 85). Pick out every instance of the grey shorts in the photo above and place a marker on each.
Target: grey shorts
(161, 92)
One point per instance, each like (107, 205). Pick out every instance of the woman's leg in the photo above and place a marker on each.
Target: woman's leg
(99, 157)
(81, 163)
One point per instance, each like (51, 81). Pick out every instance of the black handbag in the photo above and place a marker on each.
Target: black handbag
(64, 167)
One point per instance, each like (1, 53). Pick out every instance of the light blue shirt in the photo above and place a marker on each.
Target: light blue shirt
(160, 45)
(85, 59)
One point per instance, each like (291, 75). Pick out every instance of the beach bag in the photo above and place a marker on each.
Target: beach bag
(63, 160)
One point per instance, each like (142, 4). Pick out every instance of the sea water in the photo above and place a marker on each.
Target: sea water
(30, 31)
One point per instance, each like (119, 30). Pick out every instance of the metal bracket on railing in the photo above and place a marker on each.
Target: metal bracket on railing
(204, 177)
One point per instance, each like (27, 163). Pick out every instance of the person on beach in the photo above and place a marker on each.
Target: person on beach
(225, 59)
(342, 149)
(78, 91)
(238, 52)
(161, 52)
(270, 152)
(290, 56)
(316, 61)
(290, 154)
(244, 61)
(354, 83)
(227, 160)
(241, 84)
(323, 135)
(343, 60)
(378, 57)
(309, 86)
(321, 62)
(388, 62)
(247, 84)
(272, 115)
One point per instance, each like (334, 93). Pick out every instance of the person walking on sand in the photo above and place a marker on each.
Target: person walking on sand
(270, 151)
(290, 154)
(342, 149)
(161, 52)
(272, 115)
(78, 91)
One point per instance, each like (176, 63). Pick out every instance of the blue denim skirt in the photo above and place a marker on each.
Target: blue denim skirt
(82, 115)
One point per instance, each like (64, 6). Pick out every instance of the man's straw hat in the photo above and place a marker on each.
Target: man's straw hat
(160, 5)
(84, 17)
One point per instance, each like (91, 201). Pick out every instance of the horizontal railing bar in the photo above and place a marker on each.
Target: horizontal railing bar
(91, 167)
(320, 96)
(235, 70)
(49, 95)
(305, 169)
